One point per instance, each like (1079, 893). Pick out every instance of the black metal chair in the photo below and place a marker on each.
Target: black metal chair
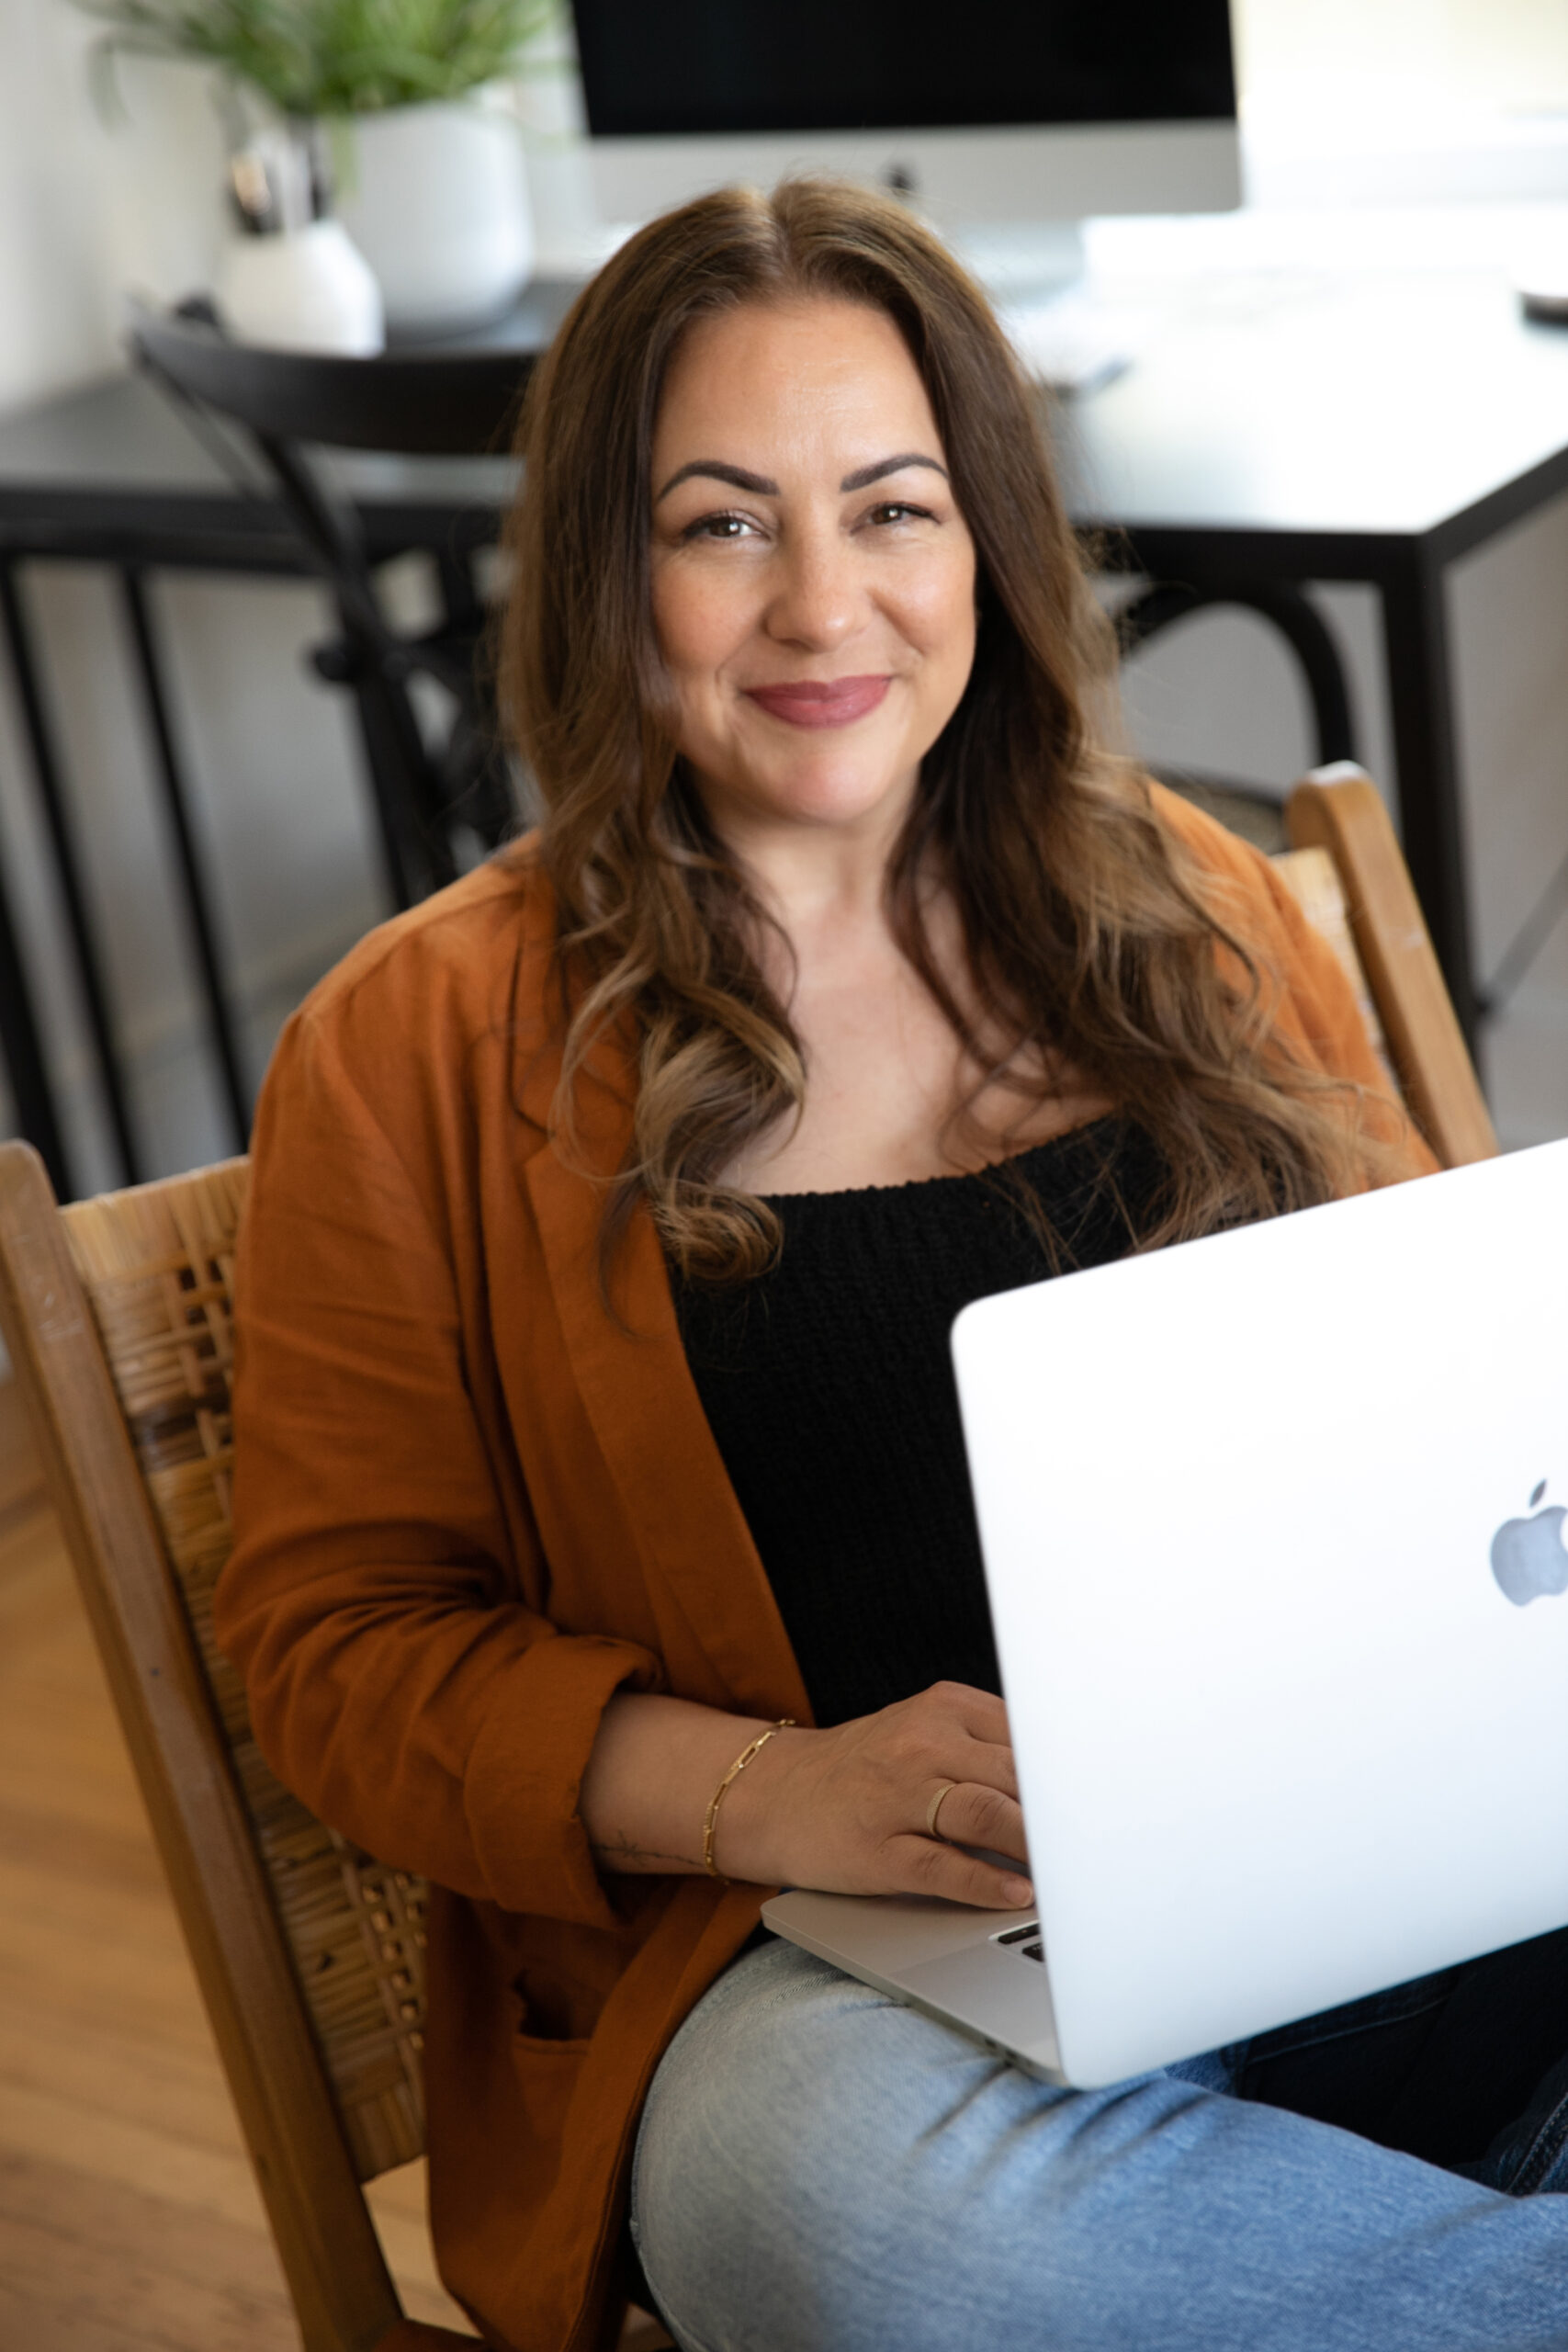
(446, 402)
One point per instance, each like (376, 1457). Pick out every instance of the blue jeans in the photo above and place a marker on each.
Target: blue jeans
(820, 2169)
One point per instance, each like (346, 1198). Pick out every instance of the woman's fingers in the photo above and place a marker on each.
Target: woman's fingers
(971, 1816)
(970, 1728)
(925, 1866)
(988, 1762)
(981, 1712)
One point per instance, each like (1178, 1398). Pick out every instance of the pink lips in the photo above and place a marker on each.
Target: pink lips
(834, 702)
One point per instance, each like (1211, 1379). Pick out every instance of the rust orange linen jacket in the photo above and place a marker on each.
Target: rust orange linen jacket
(471, 1506)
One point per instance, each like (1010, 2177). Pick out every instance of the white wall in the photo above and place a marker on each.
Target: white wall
(86, 209)
(1395, 57)
(53, 320)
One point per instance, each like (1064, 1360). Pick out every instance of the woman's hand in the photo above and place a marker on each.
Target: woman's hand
(845, 1811)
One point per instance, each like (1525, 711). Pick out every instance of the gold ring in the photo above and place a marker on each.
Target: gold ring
(935, 1807)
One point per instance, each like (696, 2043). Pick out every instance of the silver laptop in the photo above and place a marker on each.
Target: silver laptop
(1272, 1530)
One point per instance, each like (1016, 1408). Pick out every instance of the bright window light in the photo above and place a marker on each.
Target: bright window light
(1401, 58)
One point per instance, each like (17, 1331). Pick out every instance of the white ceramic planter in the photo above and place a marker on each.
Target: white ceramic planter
(307, 289)
(436, 198)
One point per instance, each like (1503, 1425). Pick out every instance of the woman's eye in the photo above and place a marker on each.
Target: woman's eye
(898, 510)
(717, 527)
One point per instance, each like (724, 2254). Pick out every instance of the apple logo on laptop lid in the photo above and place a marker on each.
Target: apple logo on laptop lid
(1528, 1557)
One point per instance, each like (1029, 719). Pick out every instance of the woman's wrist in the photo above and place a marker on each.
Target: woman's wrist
(748, 1755)
(650, 1780)
(750, 1838)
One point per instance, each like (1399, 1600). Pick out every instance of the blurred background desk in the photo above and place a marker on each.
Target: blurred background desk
(1274, 428)
(1300, 426)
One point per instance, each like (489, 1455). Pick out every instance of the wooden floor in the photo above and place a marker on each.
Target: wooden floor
(128, 2218)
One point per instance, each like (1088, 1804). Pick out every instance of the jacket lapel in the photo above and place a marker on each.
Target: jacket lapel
(724, 1643)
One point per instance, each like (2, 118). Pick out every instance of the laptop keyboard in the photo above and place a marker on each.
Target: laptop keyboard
(1026, 1940)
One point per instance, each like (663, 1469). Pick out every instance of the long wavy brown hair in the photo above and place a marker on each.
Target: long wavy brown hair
(1088, 938)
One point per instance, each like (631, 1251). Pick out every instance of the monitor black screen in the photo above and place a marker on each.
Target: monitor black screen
(674, 67)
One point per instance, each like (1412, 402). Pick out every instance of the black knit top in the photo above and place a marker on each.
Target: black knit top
(828, 1386)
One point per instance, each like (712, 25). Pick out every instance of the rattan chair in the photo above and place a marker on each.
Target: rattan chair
(118, 1316)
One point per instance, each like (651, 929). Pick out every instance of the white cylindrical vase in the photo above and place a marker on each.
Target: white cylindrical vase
(436, 198)
(303, 290)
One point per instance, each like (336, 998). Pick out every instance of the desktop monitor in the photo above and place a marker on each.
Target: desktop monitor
(1027, 111)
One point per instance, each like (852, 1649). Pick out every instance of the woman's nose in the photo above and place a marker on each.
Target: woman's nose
(820, 599)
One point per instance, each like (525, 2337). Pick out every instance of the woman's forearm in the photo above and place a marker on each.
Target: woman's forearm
(650, 1780)
(853, 1809)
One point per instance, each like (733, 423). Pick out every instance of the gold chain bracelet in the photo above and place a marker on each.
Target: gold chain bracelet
(785, 1722)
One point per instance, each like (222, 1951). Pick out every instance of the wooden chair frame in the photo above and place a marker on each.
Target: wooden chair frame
(182, 1738)
(1339, 808)
(342, 2293)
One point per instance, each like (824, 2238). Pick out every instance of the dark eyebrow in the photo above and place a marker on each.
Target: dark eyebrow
(714, 469)
(865, 475)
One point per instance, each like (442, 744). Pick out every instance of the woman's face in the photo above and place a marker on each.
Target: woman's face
(813, 579)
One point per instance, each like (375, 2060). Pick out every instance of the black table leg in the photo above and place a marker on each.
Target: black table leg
(46, 772)
(1415, 638)
(26, 1068)
(176, 802)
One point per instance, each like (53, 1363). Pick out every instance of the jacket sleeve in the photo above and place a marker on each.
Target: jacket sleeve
(397, 1683)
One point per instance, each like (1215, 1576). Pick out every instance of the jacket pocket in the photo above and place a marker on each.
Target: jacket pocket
(547, 2072)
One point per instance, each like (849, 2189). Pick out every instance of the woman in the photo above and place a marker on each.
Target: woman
(609, 1212)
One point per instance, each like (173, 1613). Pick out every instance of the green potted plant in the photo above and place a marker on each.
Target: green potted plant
(411, 94)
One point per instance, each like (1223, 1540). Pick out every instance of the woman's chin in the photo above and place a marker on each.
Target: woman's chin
(818, 796)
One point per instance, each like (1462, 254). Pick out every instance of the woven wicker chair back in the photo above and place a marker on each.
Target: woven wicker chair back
(158, 1268)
